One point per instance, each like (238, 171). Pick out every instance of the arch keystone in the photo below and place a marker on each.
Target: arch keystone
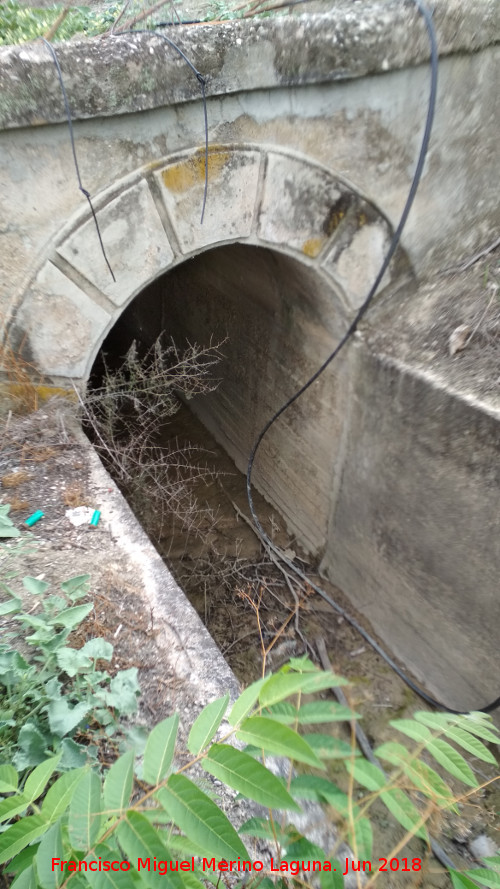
(233, 177)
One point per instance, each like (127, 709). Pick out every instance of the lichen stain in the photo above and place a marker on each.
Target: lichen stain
(312, 246)
(184, 175)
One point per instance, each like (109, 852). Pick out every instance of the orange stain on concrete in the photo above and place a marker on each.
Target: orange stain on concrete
(312, 246)
(190, 172)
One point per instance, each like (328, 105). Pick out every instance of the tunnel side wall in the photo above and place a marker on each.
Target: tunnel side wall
(414, 533)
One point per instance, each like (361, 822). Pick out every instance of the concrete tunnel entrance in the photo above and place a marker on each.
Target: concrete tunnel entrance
(278, 319)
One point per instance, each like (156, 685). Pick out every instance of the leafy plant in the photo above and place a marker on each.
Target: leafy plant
(20, 23)
(165, 830)
(46, 699)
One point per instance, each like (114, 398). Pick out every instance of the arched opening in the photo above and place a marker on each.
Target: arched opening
(277, 319)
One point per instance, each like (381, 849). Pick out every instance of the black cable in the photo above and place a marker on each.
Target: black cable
(73, 149)
(202, 82)
(426, 15)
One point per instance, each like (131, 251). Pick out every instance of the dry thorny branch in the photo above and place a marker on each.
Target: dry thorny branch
(125, 415)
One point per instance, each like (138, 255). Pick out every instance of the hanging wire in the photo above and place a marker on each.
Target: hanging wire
(73, 149)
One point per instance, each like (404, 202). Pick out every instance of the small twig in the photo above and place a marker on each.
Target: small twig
(119, 17)
(140, 17)
(473, 259)
(483, 316)
(58, 22)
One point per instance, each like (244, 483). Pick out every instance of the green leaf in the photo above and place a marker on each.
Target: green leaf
(412, 729)
(460, 881)
(50, 847)
(34, 586)
(8, 779)
(118, 784)
(85, 812)
(278, 739)
(366, 774)
(452, 761)
(71, 617)
(485, 877)
(138, 839)
(303, 850)
(63, 718)
(13, 805)
(243, 773)
(22, 860)
(11, 607)
(325, 711)
(39, 778)
(479, 724)
(76, 585)
(302, 664)
(245, 702)
(404, 811)
(327, 747)
(459, 735)
(7, 529)
(124, 689)
(313, 787)
(282, 685)
(362, 838)
(206, 725)
(160, 749)
(422, 776)
(73, 661)
(31, 747)
(283, 712)
(333, 879)
(493, 861)
(98, 649)
(59, 796)
(107, 879)
(20, 835)
(262, 829)
(26, 879)
(200, 819)
(74, 755)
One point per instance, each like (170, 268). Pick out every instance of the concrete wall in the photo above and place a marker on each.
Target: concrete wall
(314, 125)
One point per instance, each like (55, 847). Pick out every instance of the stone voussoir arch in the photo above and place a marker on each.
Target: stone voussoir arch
(150, 222)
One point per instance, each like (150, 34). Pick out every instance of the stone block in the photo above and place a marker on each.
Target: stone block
(355, 263)
(134, 239)
(232, 189)
(62, 323)
(302, 205)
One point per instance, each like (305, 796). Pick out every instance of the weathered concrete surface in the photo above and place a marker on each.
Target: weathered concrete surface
(130, 73)
(415, 525)
(314, 126)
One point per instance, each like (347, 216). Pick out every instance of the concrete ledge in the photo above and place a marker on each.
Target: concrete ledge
(126, 74)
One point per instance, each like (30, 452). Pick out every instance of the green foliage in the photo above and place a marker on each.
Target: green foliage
(19, 23)
(166, 817)
(7, 528)
(47, 699)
